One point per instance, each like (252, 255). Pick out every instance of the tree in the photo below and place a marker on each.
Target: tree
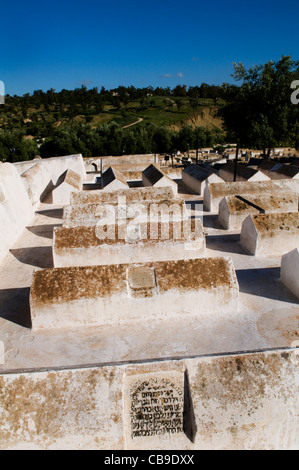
(259, 113)
(180, 90)
(194, 103)
(162, 140)
(185, 138)
(14, 148)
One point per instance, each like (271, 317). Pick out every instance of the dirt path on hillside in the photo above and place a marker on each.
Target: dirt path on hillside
(133, 123)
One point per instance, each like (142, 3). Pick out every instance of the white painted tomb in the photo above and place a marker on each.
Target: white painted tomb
(234, 209)
(38, 183)
(196, 177)
(128, 240)
(276, 170)
(68, 183)
(56, 166)
(112, 180)
(121, 162)
(154, 176)
(270, 234)
(250, 395)
(16, 210)
(112, 197)
(289, 272)
(244, 173)
(129, 293)
(287, 171)
(86, 215)
(215, 192)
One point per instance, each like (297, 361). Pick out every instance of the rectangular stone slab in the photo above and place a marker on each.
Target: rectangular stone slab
(86, 215)
(233, 210)
(154, 407)
(111, 197)
(270, 234)
(128, 241)
(215, 192)
(102, 295)
(196, 177)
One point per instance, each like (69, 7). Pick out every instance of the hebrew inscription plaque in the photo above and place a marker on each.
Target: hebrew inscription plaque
(141, 281)
(156, 405)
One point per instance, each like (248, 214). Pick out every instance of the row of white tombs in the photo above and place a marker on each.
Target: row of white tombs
(139, 254)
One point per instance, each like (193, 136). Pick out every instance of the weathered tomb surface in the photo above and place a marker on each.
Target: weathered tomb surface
(196, 177)
(126, 293)
(132, 175)
(270, 234)
(232, 401)
(154, 176)
(123, 162)
(113, 179)
(234, 209)
(69, 182)
(215, 192)
(125, 240)
(112, 197)
(87, 215)
(289, 272)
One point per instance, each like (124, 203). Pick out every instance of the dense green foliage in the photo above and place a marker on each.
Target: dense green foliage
(111, 139)
(15, 148)
(260, 113)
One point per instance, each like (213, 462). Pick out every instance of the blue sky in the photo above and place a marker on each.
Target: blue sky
(63, 44)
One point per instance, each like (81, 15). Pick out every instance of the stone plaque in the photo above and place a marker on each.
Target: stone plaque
(155, 405)
(141, 281)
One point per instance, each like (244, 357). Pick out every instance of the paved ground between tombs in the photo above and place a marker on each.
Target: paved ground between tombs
(267, 317)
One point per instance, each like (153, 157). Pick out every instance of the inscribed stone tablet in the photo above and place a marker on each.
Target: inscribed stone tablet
(141, 281)
(154, 405)
(140, 277)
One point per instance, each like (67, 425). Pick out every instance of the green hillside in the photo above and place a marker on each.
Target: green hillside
(124, 120)
(42, 119)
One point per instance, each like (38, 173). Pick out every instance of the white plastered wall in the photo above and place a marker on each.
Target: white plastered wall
(289, 273)
(16, 210)
(37, 180)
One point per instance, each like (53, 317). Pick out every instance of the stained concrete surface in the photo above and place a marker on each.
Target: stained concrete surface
(267, 316)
